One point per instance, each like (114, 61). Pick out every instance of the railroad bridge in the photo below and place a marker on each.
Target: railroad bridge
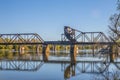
(77, 40)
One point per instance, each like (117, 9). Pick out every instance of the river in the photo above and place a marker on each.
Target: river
(29, 67)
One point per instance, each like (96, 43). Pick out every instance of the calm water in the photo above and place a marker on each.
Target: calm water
(34, 68)
(46, 72)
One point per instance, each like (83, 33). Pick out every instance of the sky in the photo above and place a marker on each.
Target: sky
(48, 17)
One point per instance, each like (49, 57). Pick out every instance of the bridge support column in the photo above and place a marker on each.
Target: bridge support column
(37, 49)
(54, 49)
(66, 48)
(73, 53)
(21, 50)
(111, 54)
(93, 50)
(46, 52)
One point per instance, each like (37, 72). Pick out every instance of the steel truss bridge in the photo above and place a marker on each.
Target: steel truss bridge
(72, 37)
(98, 42)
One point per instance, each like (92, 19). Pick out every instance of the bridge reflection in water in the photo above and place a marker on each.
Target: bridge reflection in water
(34, 63)
(103, 52)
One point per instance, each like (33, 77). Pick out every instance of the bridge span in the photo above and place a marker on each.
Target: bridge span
(71, 37)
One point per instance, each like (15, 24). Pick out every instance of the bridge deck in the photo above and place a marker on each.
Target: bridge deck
(57, 43)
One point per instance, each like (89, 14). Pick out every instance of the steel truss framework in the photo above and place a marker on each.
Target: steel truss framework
(73, 36)
(79, 36)
(95, 41)
(20, 38)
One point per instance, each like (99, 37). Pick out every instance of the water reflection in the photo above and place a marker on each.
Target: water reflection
(33, 63)
(69, 71)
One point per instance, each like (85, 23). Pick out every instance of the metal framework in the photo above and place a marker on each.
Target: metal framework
(74, 35)
(96, 41)
(70, 36)
(20, 38)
